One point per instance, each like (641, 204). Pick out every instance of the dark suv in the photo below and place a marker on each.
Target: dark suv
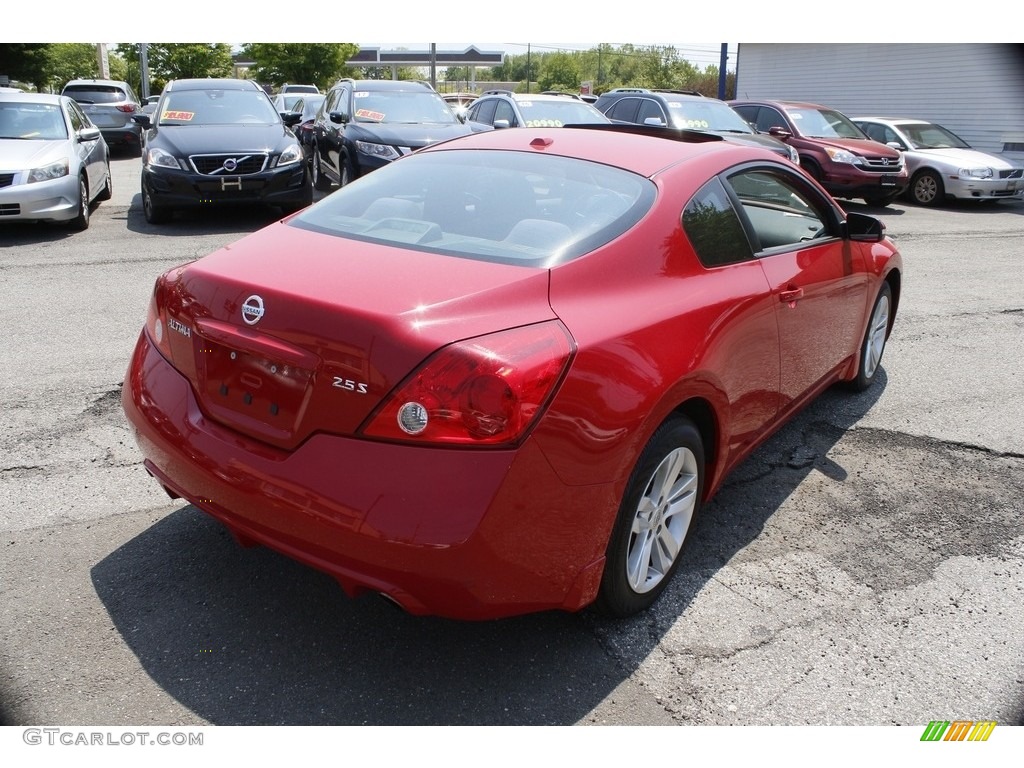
(219, 142)
(365, 124)
(686, 110)
(833, 150)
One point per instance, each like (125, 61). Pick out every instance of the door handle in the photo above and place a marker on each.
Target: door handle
(791, 295)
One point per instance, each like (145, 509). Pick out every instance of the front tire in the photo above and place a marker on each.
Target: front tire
(926, 188)
(81, 221)
(348, 172)
(154, 213)
(661, 502)
(873, 345)
(320, 182)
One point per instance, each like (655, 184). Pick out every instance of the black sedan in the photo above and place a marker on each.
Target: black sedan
(215, 142)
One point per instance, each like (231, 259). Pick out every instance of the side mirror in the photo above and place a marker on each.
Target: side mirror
(290, 118)
(143, 119)
(501, 124)
(89, 134)
(896, 145)
(337, 117)
(863, 228)
(779, 132)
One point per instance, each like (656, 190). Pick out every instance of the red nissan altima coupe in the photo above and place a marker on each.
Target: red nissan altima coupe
(504, 373)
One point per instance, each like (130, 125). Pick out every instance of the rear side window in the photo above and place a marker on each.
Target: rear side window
(714, 228)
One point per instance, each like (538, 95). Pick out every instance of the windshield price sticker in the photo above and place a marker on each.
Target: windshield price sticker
(369, 114)
(175, 115)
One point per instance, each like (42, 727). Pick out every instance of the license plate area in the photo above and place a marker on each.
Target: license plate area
(888, 180)
(252, 391)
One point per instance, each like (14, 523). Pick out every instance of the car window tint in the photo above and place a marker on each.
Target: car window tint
(768, 118)
(649, 108)
(503, 111)
(96, 94)
(483, 111)
(779, 212)
(714, 228)
(509, 207)
(77, 117)
(624, 110)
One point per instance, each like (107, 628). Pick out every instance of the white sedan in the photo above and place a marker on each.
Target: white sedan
(942, 165)
(54, 163)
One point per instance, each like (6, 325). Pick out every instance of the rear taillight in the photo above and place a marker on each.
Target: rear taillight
(156, 321)
(126, 107)
(485, 391)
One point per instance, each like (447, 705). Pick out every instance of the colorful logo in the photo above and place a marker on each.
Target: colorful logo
(958, 730)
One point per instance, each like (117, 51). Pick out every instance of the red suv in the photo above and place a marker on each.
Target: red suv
(833, 150)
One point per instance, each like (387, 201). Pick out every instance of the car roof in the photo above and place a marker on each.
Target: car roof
(94, 81)
(33, 98)
(780, 103)
(640, 149)
(388, 85)
(213, 83)
(896, 120)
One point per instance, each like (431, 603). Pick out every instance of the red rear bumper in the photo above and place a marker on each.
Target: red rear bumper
(468, 534)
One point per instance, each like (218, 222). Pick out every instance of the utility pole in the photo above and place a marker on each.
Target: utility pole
(721, 71)
(144, 69)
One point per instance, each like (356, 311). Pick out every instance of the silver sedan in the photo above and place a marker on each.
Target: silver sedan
(942, 165)
(54, 163)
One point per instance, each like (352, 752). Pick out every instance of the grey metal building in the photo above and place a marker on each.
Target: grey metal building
(974, 89)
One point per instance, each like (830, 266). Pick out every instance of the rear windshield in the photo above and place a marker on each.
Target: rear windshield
(218, 107)
(96, 94)
(502, 206)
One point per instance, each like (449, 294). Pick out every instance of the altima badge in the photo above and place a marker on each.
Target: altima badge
(252, 309)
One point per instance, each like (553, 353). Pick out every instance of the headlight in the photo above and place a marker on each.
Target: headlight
(975, 173)
(383, 151)
(794, 156)
(841, 155)
(48, 172)
(161, 158)
(291, 154)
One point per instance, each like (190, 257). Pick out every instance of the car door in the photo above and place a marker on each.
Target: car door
(329, 132)
(743, 346)
(817, 277)
(92, 153)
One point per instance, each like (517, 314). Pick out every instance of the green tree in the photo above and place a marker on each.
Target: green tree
(69, 61)
(168, 61)
(318, 64)
(559, 72)
(24, 62)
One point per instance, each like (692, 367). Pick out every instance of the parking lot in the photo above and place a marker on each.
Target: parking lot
(864, 567)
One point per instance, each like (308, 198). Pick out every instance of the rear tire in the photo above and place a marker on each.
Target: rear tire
(661, 502)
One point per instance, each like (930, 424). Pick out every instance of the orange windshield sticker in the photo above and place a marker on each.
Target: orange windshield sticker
(174, 115)
(369, 114)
